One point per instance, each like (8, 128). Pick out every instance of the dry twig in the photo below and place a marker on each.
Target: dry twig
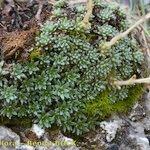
(85, 22)
(132, 81)
(108, 45)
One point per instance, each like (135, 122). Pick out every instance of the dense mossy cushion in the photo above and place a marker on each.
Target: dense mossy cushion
(67, 81)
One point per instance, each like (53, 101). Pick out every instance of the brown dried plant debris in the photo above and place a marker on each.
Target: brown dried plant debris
(15, 44)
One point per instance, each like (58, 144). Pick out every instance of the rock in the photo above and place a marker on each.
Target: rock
(25, 147)
(54, 147)
(143, 143)
(113, 147)
(8, 139)
(46, 136)
(128, 132)
(44, 145)
(147, 101)
(93, 140)
(140, 143)
(66, 143)
(60, 142)
(41, 148)
(138, 112)
(49, 146)
(71, 148)
(148, 137)
(110, 128)
(37, 130)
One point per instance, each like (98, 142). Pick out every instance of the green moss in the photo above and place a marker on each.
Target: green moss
(35, 53)
(103, 106)
(134, 95)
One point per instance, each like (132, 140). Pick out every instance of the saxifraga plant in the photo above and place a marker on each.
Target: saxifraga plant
(69, 85)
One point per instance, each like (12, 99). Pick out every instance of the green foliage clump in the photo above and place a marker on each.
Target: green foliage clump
(59, 86)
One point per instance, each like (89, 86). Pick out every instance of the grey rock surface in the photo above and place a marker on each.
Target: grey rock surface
(52, 147)
(132, 131)
(124, 132)
(25, 147)
(8, 139)
(61, 143)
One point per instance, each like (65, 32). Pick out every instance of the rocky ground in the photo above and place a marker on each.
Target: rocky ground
(34, 139)
(119, 132)
(130, 132)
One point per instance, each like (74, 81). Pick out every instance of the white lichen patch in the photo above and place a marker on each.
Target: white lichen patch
(110, 128)
(37, 130)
